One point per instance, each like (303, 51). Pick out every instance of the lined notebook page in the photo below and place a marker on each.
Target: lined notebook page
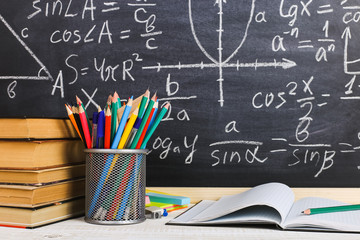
(345, 221)
(187, 216)
(276, 195)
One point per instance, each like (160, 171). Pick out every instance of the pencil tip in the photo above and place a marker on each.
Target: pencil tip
(78, 100)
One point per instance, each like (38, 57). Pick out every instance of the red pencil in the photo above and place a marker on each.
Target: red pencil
(141, 139)
(85, 126)
(107, 134)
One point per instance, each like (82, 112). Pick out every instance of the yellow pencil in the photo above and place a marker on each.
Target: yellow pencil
(128, 128)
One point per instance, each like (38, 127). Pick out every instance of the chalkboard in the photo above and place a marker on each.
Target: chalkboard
(260, 90)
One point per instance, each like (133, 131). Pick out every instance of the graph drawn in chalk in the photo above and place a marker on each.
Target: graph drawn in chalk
(42, 68)
(220, 62)
(351, 64)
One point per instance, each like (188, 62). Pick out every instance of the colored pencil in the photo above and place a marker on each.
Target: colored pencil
(128, 128)
(143, 103)
(333, 209)
(118, 101)
(101, 183)
(121, 127)
(94, 129)
(154, 115)
(146, 126)
(75, 111)
(118, 105)
(154, 126)
(108, 102)
(133, 132)
(113, 117)
(80, 103)
(100, 130)
(135, 105)
(85, 126)
(143, 122)
(107, 134)
(73, 121)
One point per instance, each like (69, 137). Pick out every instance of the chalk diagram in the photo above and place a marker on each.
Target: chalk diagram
(220, 62)
(28, 50)
(347, 62)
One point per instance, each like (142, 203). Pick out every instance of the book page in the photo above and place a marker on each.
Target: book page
(254, 214)
(338, 221)
(186, 217)
(275, 195)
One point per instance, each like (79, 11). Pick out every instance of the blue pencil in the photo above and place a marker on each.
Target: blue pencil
(100, 130)
(129, 187)
(153, 116)
(100, 185)
(122, 123)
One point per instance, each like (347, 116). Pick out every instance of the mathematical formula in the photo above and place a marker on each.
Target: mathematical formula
(257, 64)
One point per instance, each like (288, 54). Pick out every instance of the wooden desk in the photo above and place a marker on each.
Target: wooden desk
(78, 229)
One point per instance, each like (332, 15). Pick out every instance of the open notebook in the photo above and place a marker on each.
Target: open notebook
(271, 203)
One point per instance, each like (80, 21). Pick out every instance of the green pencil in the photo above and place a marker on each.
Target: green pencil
(143, 122)
(154, 126)
(114, 109)
(344, 208)
(143, 103)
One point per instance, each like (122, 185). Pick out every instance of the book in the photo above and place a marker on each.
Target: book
(34, 196)
(36, 217)
(271, 203)
(36, 128)
(40, 154)
(43, 176)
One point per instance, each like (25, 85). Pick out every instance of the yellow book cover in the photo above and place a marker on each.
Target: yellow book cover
(36, 128)
(43, 176)
(36, 217)
(34, 196)
(40, 154)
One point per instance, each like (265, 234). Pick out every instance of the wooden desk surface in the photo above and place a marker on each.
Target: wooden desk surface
(78, 229)
(347, 195)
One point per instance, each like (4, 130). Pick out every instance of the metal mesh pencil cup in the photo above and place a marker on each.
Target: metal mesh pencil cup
(115, 186)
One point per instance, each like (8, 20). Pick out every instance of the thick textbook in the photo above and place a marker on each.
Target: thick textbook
(40, 154)
(34, 196)
(271, 203)
(36, 217)
(36, 128)
(43, 176)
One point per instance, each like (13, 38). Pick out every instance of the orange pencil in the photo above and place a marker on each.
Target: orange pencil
(85, 126)
(146, 126)
(73, 121)
(107, 134)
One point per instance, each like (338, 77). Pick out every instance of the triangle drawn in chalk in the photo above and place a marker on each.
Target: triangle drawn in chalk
(13, 63)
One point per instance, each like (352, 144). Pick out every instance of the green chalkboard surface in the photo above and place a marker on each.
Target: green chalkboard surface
(260, 90)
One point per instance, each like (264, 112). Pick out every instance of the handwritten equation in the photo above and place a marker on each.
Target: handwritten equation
(268, 75)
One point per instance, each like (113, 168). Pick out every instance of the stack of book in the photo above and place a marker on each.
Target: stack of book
(42, 172)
